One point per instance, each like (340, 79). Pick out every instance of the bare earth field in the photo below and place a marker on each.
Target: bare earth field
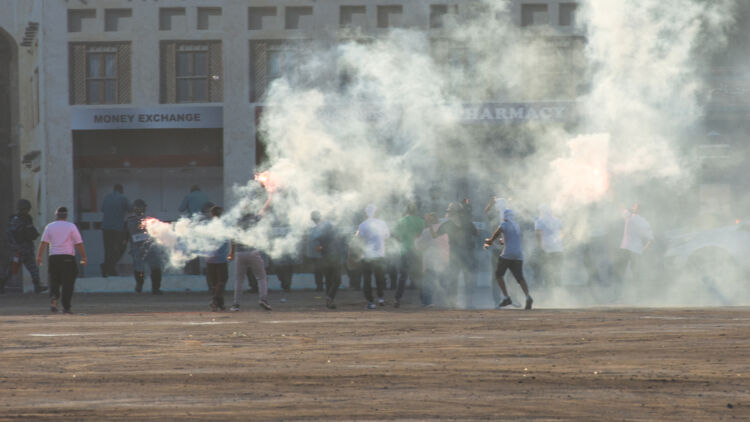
(148, 358)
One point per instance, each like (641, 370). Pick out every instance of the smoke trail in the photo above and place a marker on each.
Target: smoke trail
(370, 120)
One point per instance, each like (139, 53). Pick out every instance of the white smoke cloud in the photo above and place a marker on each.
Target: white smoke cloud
(370, 120)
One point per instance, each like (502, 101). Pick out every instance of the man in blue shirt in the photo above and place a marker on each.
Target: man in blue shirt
(114, 209)
(194, 201)
(511, 257)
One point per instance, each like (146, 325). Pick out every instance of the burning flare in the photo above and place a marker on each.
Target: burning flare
(265, 180)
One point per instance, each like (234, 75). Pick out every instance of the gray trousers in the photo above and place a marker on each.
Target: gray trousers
(252, 260)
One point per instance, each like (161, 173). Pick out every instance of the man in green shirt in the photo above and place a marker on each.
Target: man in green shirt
(407, 229)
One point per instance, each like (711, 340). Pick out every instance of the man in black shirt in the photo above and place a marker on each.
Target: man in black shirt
(461, 233)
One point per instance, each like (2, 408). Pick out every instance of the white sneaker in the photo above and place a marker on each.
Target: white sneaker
(381, 301)
(370, 305)
(234, 308)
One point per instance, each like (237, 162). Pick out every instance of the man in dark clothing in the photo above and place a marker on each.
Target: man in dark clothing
(330, 246)
(459, 234)
(407, 229)
(21, 236)
(143, 249)
(114, 209)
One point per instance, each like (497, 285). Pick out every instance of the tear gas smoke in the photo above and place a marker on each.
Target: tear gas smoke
(373, 119)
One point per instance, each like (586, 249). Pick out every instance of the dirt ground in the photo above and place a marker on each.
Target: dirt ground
(150, 358)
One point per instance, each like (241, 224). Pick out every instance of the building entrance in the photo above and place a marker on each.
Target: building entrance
(158, 166)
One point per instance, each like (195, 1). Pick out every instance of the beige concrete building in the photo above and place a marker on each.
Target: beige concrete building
(162, 95)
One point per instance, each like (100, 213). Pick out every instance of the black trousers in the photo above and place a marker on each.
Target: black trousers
(285, 273)
(458, 264)
(411, 268)
(216, 277)
(376, 266)
(550, 266)
(331, 270)
(355, 278)
(62, 272)
(114, 247)
(622, 259)
(318, 272)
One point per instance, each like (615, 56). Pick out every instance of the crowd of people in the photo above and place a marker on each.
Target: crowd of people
(422, 248)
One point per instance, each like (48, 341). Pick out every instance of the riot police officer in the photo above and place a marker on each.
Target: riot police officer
(143, 249)
(21, 237)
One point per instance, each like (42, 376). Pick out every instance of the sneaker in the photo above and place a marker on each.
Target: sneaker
(381, 301)
(235, 308)
(40, 289)
(265, 305)
(330, 304)
(53, 305)
(157, 292)
(67, 311)
(529, 301)
(213, 306)
(505, 302)
(370, 305)
(396, 303)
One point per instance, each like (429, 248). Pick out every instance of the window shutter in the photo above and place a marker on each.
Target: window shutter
(215, 86)
(168, 72)
(259, 69)
(123, 73)
(77, 68)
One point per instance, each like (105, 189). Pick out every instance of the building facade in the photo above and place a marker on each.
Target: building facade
(162, 95)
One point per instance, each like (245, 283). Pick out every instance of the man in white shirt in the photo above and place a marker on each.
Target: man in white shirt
(63, 239)
(373, 233)
(548, 230)
(636, 238)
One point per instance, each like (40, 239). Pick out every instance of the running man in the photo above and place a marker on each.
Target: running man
(511, 257)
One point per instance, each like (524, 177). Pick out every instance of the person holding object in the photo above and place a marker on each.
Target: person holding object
(511, 257)
(143, 249)
(62, 239)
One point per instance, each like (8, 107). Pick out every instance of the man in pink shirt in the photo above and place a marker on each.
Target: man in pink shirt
(63, 239)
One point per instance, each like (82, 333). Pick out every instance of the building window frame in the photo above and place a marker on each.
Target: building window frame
(101, 82)
(193, 78)
(191, 72)
(100, 72)
(270, 60)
